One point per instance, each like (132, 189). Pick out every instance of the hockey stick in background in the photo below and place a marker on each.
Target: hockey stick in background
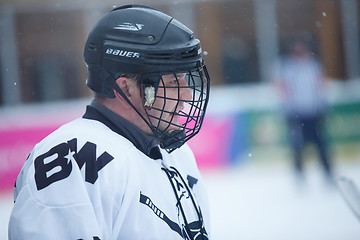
(351, 194)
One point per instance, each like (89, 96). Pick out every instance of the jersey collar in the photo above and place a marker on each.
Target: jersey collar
(145, 143)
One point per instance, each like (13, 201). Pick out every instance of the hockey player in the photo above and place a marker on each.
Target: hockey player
(123, 170)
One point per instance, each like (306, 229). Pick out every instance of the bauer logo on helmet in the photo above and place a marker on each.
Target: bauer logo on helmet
(122, 53)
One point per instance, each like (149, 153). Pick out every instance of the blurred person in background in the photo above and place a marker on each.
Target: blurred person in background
(123, 170)
(301, 80)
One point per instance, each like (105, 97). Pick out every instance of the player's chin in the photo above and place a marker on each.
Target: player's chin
(172, 126)
(176, 125)
(174, 117)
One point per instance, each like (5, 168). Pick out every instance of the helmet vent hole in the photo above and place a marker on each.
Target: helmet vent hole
(189, 54)
(92, 47)
(173, 55)
(162, 56)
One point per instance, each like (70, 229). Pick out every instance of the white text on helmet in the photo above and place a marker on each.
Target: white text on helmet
(122, 53)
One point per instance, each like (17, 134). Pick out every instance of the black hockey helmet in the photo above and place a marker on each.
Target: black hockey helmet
(145, 42)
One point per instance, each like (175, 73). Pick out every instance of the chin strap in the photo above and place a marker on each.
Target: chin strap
(112, 83)
(173, 140)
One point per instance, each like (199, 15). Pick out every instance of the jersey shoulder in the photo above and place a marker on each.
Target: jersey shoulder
(65, 167)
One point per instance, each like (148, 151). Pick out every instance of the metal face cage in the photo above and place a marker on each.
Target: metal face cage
(175, 108)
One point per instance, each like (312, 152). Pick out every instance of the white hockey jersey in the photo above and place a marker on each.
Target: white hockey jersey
(85, 181)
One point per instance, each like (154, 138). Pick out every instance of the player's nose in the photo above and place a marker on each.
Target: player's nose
(185, 90)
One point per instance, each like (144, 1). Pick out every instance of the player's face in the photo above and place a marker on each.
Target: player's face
(171, 98)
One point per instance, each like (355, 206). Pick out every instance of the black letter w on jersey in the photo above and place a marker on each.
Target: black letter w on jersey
(87, 156)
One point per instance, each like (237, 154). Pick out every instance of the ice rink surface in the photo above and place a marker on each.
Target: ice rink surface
(255, 201)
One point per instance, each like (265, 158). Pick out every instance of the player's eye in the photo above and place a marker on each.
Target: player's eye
(174, 81)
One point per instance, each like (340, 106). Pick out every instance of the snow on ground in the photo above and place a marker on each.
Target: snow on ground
(252, 202)
(6, 203)
(265, 202)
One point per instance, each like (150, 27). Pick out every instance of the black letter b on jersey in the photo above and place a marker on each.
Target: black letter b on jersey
(53, 165)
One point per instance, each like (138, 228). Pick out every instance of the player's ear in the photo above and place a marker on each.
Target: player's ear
(126, 86)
